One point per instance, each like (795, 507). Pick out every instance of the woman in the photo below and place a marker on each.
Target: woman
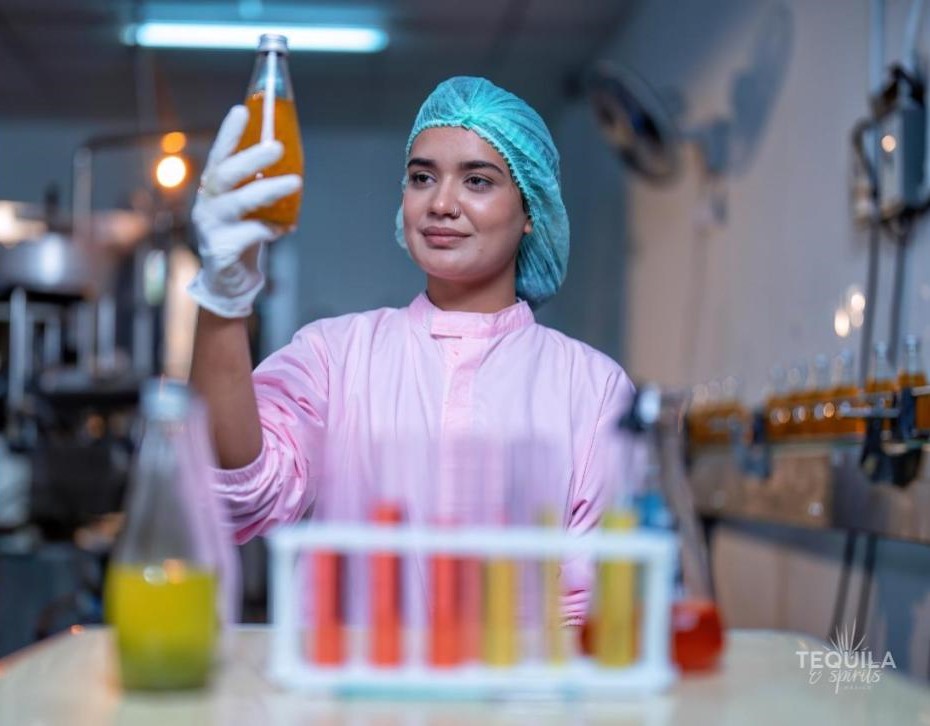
(458, 401)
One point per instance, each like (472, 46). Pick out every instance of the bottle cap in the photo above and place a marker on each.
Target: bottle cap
(272, 43)
(165, 400)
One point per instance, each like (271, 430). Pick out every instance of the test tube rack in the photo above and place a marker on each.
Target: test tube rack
(653, 552)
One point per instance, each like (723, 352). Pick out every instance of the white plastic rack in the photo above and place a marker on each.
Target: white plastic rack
(653, 552)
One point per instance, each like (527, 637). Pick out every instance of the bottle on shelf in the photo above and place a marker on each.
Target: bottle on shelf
(777, 412)
(795, 401)
(820, 396)
(845, 394)
(880, 385)
(912, 375)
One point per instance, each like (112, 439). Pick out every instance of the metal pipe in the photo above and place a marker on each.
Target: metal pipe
(897, 298)
(51, 341)
(106, 332)
(85, 336)
(143, 319)
(18, 351)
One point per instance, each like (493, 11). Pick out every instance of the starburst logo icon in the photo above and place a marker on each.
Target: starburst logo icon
(844, 641)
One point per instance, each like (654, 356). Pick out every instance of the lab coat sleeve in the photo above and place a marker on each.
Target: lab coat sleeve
(607, 473)
(291, 389)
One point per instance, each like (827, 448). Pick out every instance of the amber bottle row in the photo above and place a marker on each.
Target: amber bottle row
(822, 401)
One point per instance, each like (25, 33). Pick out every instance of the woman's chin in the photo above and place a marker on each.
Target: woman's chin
(444, 265)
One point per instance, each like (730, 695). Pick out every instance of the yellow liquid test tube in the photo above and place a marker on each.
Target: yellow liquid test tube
(500, 613)
(614, 636)
(553, 636)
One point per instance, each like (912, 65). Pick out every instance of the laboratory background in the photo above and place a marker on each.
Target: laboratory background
(748, 187)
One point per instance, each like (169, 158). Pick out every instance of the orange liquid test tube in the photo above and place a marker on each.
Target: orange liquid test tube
(445, 643)
(386, 596)
(329, 643)
(470, 578)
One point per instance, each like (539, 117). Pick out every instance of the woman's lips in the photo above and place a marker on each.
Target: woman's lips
(443, 236)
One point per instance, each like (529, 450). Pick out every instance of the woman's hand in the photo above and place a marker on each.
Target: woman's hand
(230, 247)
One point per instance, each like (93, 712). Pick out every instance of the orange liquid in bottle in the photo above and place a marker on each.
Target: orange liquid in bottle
(777, 416)
(285, 212)
(844, 425)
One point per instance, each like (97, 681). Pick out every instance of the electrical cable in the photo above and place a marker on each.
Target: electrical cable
(902, 231)
(842, 589)
(865, 592)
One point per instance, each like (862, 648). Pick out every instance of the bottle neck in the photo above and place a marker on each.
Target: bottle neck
(270, 77)
(881, 368)
(913, 364)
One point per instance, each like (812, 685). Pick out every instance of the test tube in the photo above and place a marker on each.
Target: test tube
(385, 569)
(445, 647)
(500, 613)
(472, 587)
(329, 612)
(614, 628)
(553, 635)
(504, 505)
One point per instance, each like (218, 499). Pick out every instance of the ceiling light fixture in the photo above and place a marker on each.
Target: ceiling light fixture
(324, 38)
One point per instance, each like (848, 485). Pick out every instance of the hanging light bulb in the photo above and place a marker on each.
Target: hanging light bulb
(171, 171)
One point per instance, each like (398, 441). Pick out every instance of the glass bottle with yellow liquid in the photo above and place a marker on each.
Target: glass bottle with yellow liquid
(819, 396)
(797, 426)
(273, 117)
(777, 410)
(162, 585)
(880, 384)
(913, 375)
(844, 394)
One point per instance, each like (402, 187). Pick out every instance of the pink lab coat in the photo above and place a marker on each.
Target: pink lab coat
(463, 417)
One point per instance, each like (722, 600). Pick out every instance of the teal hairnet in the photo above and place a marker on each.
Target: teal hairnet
(520, 136)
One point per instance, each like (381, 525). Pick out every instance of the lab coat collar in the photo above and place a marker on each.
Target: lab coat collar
(469, 325)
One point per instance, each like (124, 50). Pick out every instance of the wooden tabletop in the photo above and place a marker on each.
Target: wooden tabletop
(70, 680)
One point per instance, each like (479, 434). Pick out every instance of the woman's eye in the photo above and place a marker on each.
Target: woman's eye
(478, 182)
(419, 177)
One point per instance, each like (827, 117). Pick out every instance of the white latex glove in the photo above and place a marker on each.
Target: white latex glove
(230, 247)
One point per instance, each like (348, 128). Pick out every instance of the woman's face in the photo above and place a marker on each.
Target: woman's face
(463, 213)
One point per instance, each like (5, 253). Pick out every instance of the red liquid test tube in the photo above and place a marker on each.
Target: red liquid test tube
(329, 644)
(445, 645)
(385, 595)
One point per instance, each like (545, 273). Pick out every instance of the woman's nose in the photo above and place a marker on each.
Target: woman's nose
(444, 202)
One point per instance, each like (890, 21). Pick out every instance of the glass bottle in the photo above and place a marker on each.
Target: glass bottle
(162, 593)
(914, 374)
(881, 375)
(820, 395)
(696, 419)
(880, 384)
(731, 416)
(795, 400)
(273, 116)
(776, 406)
(845, 393)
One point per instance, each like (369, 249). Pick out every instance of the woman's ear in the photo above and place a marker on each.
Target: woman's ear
(528, 227)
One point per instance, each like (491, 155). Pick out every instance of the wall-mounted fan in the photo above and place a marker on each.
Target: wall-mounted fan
(641, 126)
(634, 121)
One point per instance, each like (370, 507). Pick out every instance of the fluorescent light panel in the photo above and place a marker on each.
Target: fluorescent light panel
(331, 38)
